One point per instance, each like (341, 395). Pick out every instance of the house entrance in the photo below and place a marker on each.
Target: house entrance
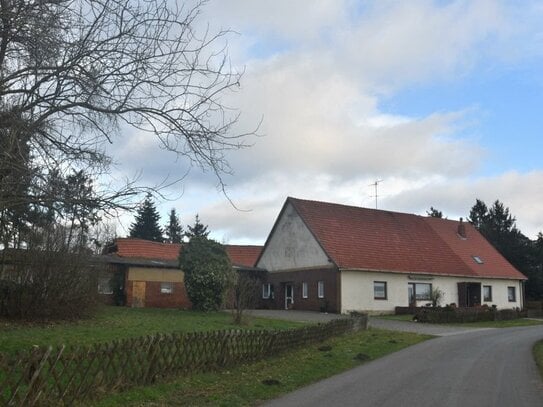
(289, 295)
(469, 294)
(138, 294)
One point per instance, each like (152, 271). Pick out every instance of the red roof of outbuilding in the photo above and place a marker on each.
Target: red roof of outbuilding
(245, 255)
(145, 249)
(369, 239)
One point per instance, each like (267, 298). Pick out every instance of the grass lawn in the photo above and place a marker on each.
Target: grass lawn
(538, 356)
(122, 322)
(244, 385)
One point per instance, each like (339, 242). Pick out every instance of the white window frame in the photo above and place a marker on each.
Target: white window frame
(266, 291)
(166, 287)
(305, 291)
(320, 289)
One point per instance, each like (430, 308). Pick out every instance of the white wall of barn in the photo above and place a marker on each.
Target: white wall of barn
(292, 245)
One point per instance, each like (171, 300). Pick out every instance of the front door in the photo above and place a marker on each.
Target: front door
(138, 294)
(411, 295)
(289, 296)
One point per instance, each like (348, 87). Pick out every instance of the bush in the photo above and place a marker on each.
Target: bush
(208, 273)
(450, 314)
(49, 282)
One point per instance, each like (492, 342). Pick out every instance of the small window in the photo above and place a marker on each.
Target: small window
(487, 293)
(380, 290)
(304, 289)
(166, 288)
(512, 294)
(478, 260)
(267, 291)
(105, 286)
(320, 289)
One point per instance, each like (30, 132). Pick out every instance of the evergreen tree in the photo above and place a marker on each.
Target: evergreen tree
(434, 213)
(478, 215)
(173, 230)
(146, 224)
(198, 230)
(498, 226)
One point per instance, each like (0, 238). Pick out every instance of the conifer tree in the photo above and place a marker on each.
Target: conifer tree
(198, 230)
(146, 224)
(173, 230)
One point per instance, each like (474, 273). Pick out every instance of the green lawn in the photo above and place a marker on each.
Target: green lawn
(122, 322)
(538, 356)
(246, 384)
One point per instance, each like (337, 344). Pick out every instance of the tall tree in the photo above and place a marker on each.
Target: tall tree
(173, 229)
(146, 223)
(73, 73)
(498, 226)
(197, 230)
(434, 213)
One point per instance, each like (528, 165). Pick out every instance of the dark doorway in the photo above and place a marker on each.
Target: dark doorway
(469, 294)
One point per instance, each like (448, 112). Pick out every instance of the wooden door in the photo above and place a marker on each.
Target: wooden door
(138, 294)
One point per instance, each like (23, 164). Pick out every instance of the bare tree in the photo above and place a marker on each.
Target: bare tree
(74, 72)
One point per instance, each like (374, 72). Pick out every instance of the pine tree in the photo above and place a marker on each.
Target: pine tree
(198, 230)
(146, 224)
(173, 230)
(434, 213)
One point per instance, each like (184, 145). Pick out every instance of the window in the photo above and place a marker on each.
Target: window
(487, 293)
(320, 289)
(478, 260)
(166, 288)
(267, 291)
(421, 291)
(304, 290)
(511, 294)
(380, 290)
(104, 286)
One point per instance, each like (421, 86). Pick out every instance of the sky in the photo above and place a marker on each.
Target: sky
(440, 100)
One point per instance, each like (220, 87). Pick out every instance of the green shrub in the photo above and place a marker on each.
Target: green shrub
(462, 315)
(208, 273)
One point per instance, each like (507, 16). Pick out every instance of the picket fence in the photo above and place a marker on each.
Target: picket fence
(67, 376)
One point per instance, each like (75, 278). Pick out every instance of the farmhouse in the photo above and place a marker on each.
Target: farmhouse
(338, 258)
(142, 273)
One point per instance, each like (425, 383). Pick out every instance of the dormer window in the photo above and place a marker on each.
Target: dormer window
(478, 260)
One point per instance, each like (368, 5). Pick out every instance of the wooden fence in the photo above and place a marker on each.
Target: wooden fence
(62, 376)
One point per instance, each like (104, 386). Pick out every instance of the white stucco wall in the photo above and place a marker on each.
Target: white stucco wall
(292, 246)
(357, 291)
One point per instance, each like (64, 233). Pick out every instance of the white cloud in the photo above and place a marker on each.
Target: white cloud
(317, 73)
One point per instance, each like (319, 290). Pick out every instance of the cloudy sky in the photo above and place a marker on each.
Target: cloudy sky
(441, 100)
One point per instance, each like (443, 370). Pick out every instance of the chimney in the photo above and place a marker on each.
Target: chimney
(462, 229)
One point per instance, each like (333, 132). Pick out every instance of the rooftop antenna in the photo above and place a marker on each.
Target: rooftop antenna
(375, 184)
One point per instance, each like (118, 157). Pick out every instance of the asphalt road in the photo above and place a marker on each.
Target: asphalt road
(493, 368)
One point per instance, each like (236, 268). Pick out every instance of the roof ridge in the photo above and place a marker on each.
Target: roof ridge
(354, 206)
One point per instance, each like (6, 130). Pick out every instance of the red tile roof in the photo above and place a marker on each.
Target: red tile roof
(145, 249)
(369, 239)
(243, 255)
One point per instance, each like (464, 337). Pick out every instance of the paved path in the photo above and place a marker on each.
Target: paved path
(393, 325)
(485, 368)
(420, 328)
